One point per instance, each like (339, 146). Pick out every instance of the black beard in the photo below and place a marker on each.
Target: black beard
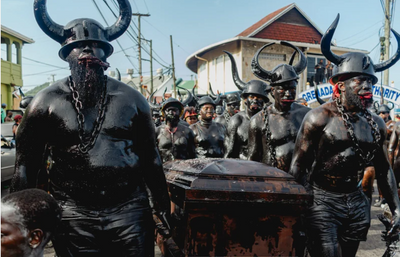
(354, 100)
(89, 80)
(172, 118)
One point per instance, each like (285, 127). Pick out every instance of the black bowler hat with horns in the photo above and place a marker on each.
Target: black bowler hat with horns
(354, 64)
(283, 72)
(84, 29)
(253, 87)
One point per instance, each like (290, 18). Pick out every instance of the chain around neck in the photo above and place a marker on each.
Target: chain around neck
(86, 144)
(267, 132)
(367, 158)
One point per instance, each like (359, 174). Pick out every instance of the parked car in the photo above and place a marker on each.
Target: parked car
(7, 153)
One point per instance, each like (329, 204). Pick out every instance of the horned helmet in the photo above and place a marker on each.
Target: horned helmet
(283, 72)
(354, 64)
(83, 29)
(172, 102)
(162, 107)
(253, 87)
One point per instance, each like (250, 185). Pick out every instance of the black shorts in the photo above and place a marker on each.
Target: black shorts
(125, 229)
(335, 216)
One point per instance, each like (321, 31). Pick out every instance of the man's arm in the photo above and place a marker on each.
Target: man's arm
(150, 160)
(303, 155)
(255, 139)
(31, 141)
(231, 148)
(394, 139)
(386, 180)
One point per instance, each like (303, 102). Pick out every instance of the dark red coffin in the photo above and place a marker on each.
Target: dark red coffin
(231, 207)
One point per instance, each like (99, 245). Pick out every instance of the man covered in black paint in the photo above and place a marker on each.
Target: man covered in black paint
(100, 144)
(273, 131)
(255, 95)
(174, 140)
(336, 143)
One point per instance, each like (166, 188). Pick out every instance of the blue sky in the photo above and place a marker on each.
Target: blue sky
(193, 24)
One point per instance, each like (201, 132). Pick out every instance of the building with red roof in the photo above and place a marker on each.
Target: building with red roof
(289, 23)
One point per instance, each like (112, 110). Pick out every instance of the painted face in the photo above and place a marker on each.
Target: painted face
(172, 113)
(359, 91)
(191, 119)
(207, 112)
(233, 108)
(284, 94)
(254, 103)
(384, 116)
(14, 236)
(88, 50)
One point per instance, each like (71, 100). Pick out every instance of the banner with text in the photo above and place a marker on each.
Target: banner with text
(325, 91)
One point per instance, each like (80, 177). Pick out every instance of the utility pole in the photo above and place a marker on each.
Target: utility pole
(151, 64)
(53, 75)
(388, 16)
(173, 66)
(140, 49)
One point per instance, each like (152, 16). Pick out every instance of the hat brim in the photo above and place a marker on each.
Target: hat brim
(66, 49)
(348, 75)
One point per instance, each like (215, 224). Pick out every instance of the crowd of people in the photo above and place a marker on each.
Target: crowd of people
(98, 148)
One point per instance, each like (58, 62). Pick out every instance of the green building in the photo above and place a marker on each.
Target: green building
(11, 65)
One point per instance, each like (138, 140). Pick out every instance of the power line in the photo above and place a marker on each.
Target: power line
(368, 28)
(146, 6)
(98, 9)
(39, 73)
(134, 39)
(166, 36)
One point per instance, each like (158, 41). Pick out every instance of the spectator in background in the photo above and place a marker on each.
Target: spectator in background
(17, 120)
(8, 117)
(3, 112)
(319, 72)
(190, 115)
(29, 219)
(397, 118)
(328, 70)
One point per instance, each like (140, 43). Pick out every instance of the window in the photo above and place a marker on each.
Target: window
(277, 57)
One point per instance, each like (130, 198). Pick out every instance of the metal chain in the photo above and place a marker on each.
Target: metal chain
(367, 158)
(85, 146)
(267, 132)
(227, 117)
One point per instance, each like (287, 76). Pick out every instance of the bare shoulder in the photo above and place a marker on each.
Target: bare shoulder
(49, 95)
(127, 94)
(256, 120)
(321, 115)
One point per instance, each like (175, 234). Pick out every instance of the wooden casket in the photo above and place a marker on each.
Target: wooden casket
(232, 207)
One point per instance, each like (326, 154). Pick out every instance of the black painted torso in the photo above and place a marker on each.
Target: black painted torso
(209, 140)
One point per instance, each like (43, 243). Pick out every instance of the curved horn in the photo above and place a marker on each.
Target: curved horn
(163, 95)
(392, 104)
(238, 82)
(150, 103)
(211, 90)
(52, 29)
(118, 74)
(302, 64)
(326, 43)
(320, 101)
(292, 58)
(123, 22)
(257, 70)
(216, 101)
(376, 106)
(389, 63)
(189, 97)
